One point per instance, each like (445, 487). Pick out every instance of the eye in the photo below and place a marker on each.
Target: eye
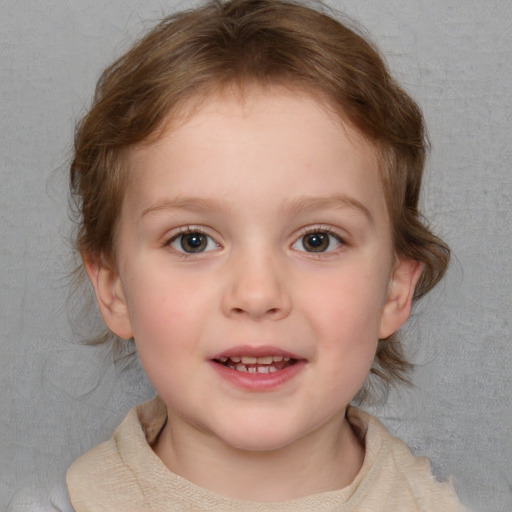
(192, 242)
(318, 241)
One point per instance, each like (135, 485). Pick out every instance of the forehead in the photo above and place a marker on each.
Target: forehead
(245, 98)
(283, 107)
(271, 136)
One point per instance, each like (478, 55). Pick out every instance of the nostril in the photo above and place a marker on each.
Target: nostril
(270, 312)
(251, 303)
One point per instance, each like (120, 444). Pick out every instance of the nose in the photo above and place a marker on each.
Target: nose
(256, 289)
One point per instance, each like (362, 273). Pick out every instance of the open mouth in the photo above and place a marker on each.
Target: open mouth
(252, 364)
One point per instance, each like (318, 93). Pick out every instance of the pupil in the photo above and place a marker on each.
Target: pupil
(316, 242)
(194, 242)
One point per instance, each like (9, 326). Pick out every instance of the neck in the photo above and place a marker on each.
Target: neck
(325, 460)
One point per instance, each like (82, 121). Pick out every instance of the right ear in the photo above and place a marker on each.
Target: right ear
(110, 295)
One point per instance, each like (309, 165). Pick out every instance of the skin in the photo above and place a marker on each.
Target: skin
(255, 177)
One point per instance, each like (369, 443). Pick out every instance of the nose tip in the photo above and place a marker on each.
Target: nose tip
(257, 292)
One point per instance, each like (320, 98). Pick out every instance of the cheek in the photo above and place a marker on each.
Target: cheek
(170, 314)
(165, 339)
(159, 319)
(346, 302)
(345, 320)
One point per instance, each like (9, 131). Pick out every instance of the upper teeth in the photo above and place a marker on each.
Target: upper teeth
(255, 360)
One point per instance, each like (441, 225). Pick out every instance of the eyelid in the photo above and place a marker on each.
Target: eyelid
(319, 229)
(185, 230)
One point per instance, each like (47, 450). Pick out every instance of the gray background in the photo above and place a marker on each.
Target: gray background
(58, 398)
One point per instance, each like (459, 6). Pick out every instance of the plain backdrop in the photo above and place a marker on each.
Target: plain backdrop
(59, 398)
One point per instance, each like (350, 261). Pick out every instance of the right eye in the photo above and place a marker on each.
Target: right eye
(192, 242)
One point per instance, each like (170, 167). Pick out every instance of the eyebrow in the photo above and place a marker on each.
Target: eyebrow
(195, 204)
(336, 201)
(299, 205)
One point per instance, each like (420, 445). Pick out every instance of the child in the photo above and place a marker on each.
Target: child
(247, 182)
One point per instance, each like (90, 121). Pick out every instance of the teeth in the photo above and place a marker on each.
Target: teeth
(254, 369)
(255, 360)
(267, 369)
(252, 364)
(265, 360)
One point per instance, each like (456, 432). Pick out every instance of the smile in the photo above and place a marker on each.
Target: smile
(257, 369)
(252, 364)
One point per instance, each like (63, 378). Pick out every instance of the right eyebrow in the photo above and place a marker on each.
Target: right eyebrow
(195, 204)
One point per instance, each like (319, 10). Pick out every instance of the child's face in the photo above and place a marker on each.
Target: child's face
(258, 228)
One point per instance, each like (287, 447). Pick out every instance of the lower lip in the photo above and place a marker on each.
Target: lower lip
(259, 381)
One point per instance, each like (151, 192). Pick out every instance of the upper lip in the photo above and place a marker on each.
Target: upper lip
(255, 351)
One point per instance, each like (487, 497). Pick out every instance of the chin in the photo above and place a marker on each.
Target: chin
(259, 436)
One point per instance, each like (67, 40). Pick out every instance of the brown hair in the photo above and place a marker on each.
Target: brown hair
(266, 42)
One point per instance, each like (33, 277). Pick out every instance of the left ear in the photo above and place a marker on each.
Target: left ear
(401, 288)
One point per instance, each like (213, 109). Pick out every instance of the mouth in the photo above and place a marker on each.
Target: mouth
(258, 368)
(260, 364)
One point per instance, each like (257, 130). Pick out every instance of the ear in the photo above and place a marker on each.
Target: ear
(110, 296)
(400, 293)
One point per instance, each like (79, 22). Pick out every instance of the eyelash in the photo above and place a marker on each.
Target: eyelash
(319, 230)
(189, 230)
(316, 230)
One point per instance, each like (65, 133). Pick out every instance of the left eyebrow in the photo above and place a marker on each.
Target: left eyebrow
(337, 201)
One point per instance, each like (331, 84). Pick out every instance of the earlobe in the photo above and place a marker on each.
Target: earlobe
(110, 296)
(398, 304)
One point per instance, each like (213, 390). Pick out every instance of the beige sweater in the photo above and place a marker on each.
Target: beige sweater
(124, 474)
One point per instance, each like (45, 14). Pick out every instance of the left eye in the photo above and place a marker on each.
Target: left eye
(317, 241)
(193, 242)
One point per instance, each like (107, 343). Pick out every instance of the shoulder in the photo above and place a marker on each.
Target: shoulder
(98, 477)
(391, 473)
(92, 478)
(114, 470)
